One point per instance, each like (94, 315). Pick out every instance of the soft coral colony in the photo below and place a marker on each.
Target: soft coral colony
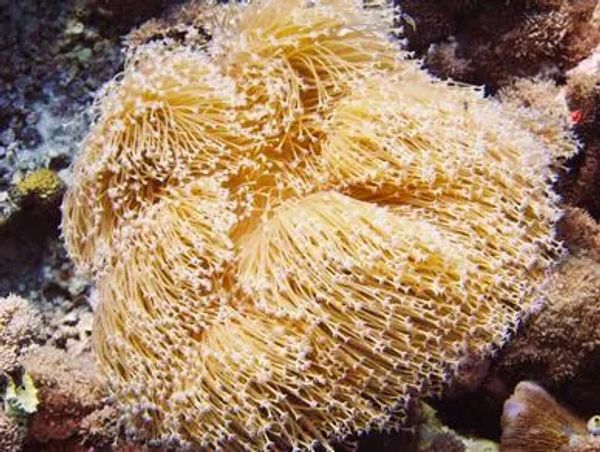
(294, 230)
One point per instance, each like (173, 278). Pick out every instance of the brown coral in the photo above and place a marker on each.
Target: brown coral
(580, 232)
(427, 21)
(502, 41)
(294, 232)
(541, 106)
(582, 184)
(560, 346)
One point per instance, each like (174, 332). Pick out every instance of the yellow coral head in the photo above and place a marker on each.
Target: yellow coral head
(293, 230)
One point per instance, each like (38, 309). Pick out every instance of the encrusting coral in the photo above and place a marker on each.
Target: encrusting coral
(294, 231)
(533, 421)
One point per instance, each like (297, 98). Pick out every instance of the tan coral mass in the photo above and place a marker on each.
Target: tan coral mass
(294, 230)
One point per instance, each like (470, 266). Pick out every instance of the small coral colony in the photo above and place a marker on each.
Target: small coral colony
(294, 230)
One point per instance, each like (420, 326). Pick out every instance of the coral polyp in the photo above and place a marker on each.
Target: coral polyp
(294, 230)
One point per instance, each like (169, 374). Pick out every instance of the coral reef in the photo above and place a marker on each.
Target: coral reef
(582, 83)
(427, 434)
(54, 54)
(533, 421)
(560, 345)
(20, 326)
(57, 393)
(20, 398)
(433, 436)
(124, 14)
(429, 21)
(52, 58)
(294, 232)
(498, 41)
(73, 401)
(580, 187)
(192, 23)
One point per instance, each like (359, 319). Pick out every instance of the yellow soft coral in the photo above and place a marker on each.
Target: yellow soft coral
(294, 231)
(43, 186)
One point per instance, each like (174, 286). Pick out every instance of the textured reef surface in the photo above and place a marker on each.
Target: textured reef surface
(355, 225)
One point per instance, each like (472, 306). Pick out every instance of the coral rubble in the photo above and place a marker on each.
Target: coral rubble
(294, 232)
